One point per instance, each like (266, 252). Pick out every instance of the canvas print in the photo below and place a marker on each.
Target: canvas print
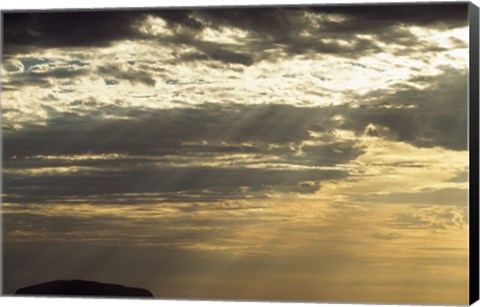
(269, 153)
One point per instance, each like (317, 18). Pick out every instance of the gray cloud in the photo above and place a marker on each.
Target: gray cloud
(217, 53)
(271, 31)
(164, 180)
(154, 146)
(130, 74)
(432, 218)
(134, 130)
(26, 31)
(42, 78)
(332, 153)
(438, 117)
(193, 135)
(283, 27)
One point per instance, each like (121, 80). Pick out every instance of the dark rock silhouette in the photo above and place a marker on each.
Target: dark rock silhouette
(83, 288)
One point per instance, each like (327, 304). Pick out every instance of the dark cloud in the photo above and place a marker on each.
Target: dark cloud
(214, 52)
(154, 145)
(438, 118)
(284, 26)
(271, 135)
(24, 31)
(448, 15)
(157, 131)
(281, 21)
(179, 19)
(161, 179)
(271, 31)
(212, 196)
(439, 115)
(42, 78)
(331, 153)
(274, 33)
(356, 48)
(112, 71)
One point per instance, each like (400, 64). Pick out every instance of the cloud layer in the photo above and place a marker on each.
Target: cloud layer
(304, 150)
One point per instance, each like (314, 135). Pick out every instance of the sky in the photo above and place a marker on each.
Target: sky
(287, 153)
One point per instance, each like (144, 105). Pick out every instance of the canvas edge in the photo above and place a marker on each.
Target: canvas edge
(1, 163)
(473, 16)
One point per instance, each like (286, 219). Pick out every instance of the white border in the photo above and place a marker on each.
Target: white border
(46, 4)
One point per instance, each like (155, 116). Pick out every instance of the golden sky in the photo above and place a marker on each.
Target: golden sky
(302, 153)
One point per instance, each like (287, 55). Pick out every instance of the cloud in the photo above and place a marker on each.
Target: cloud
(433, 218)
(264, 148)
(211, 51)
(42, 76)
(445, 196)
(205, 151)
(386, 236)
(26, 31)
(335, 29)
(160, 179)
(443, 14)
(211, 139)
(438, 118)
(331, 153)
(432, 116)
(12, 65)
(125, 72)
(269, 32)
(137, 130)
